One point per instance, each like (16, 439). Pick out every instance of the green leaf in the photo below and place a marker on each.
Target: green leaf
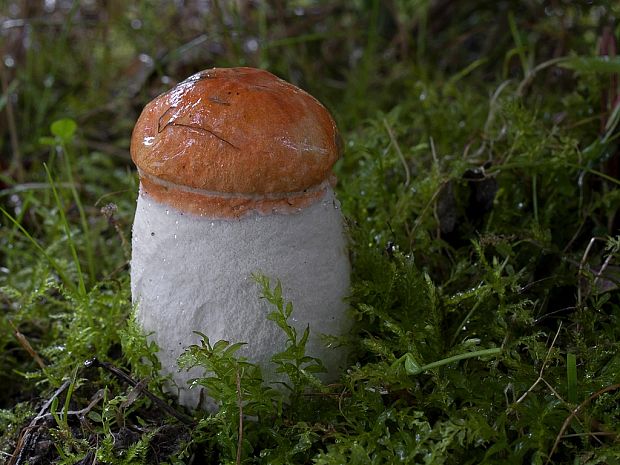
(277, 292)
(288, 310)
(411, 366)
(232, 348)
(94, 416)
(64, 128)
(219, 346)
(602, 64)
(304, 339)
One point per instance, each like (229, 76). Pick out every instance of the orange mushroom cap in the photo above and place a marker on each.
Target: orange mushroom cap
(229, 140)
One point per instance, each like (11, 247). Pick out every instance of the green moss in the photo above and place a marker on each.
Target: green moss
(481, 207)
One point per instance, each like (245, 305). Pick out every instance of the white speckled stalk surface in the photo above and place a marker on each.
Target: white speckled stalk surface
(192, 273)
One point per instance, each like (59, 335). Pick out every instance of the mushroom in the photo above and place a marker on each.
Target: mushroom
(235, 179)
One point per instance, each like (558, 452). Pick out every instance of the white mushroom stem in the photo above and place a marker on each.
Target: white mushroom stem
(191, 273)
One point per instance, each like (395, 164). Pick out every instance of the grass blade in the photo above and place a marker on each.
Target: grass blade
(37, 246)
(571, 377)
(65, 224)
(90, 255)
(519, 43)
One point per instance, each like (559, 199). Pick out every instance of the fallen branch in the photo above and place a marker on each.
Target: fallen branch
(133, 383)
(29, 435)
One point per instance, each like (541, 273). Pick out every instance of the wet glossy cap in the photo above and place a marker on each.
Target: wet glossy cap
(229, 140)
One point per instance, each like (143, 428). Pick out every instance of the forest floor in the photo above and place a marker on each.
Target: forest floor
(479, 183)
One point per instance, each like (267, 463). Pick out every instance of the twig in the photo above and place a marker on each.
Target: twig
(394, 142)
(574, 413)
(93, 362)
(576, 235)
(555, 312)
(27, 347)
(493, 107)
(47, 404)
(27, 436)
(420, 217)
(343, 394)
(596, 433)
(582, 265)
(529, 77)
(78, 413)
(602, 270)
(553, 391)
(542, 369)
(431, 142)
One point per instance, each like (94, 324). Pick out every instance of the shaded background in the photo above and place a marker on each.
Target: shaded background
(100, 61)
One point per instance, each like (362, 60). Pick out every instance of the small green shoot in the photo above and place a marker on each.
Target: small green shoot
(412, 367)
(292, 361)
